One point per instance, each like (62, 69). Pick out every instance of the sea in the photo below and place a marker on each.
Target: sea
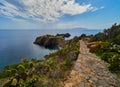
(18, 44)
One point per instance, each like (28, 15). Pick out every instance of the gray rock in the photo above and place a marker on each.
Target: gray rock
(82, 84)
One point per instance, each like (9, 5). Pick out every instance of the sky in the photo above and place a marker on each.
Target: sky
(58, 14)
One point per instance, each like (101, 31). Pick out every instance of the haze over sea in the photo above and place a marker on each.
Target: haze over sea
(17, 44)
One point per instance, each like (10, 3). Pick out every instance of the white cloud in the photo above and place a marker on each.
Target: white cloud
(95, 9)
(42, 10)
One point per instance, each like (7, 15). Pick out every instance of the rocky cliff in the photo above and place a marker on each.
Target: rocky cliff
(51, 41)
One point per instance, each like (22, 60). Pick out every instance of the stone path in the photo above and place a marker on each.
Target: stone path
(90, 71)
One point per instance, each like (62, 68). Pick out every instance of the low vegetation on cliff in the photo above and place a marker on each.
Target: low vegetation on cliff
(49, 72)
(107, 45)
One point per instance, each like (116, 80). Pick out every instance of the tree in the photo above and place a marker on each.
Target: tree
(99, 37)
(24, 60)
(21, 68)
(83, 36)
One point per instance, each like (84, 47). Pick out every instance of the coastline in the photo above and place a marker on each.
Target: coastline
(17, 44)
(54, 66)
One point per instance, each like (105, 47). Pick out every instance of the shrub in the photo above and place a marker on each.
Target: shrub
(24, 60)
(21, 69)
(114, 63)
(13, 72)
(33, 60)
(106, 56)
(30, 65)
(68, 63)
(14, 82)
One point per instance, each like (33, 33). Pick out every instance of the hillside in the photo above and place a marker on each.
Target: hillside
(85, 61)
(49, 72)
(90, 71)
(107, 45)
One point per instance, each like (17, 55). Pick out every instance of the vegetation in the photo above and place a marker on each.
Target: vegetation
(42, 73)
(107, 45)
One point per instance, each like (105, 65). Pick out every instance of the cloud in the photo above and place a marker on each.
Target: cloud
(42, 10)
(95, 9)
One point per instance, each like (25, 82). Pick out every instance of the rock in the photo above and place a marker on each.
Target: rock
(43, 84)
(41, 69)
(103, 83)
(100, 86)
(73, 55)
(93, 79)
(23, 76)
(50, 41)
(41, 39)
(67, 35)
(82, 84)
(56, 74)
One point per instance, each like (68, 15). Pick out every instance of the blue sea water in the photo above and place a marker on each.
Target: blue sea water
(17, 44)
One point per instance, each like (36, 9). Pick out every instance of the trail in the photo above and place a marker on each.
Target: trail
(90, 71)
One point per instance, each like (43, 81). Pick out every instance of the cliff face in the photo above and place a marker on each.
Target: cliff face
(47, 41)
(50, 41)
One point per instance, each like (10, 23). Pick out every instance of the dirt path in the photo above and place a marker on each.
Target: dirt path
(90, 71)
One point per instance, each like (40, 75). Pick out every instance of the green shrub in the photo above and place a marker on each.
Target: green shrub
(107, 56)
(21, 69)
(68, 63)
(30, 64)
(114, 63)
(116, 40)
(111, 54)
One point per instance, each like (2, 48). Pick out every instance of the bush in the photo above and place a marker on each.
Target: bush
(114, 63)
(21, 69)
(68, 63)
(107, 56)
(24, 60)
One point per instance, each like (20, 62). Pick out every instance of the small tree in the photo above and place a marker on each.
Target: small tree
(33, 60)
(24, 60)
(83, 35)
(21, 69)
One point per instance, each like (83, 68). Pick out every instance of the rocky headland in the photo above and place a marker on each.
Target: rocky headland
(51, 41)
